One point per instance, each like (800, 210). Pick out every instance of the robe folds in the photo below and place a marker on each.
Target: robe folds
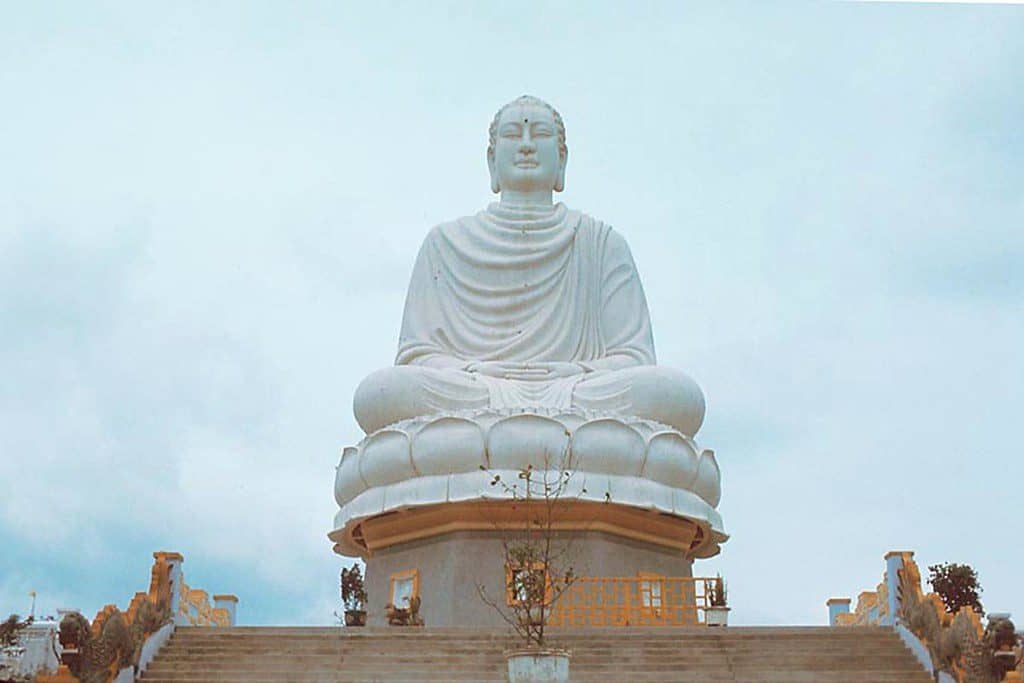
(525, 286)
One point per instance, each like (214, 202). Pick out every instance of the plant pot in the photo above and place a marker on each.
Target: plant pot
(716, 615)
(538, 665)
(355, 617)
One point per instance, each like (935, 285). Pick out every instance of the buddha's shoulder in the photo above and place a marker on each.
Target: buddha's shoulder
(458, 223)
(602, 232)
(450, 232)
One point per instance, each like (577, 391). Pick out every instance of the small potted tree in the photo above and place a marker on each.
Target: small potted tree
(353, 594)
(538, 568)
(717, 613)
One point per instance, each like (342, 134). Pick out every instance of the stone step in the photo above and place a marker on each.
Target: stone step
(802, 661)
(384, 648)
(498, 674)
(426, 655)
(677, 646)
(733, 632)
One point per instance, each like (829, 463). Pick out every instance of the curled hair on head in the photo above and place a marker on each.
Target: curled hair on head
(563, 150)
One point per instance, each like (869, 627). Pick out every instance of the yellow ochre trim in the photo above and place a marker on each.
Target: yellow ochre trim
(413, 574)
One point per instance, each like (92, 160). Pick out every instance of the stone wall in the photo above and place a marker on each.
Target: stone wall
(451, 566)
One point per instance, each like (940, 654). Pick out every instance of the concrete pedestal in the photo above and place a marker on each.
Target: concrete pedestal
(450, 567)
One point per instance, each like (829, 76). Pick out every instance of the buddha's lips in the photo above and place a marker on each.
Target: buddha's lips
(527, 163)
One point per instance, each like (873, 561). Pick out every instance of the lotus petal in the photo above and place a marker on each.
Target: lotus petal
(386, 458)
(348, 483)
(521, 440)
(671, 460)
(708, 484)
(448, 445)
(608, 446)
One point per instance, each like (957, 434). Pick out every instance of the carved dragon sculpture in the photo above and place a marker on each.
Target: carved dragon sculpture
(958, 644)
(95, 653)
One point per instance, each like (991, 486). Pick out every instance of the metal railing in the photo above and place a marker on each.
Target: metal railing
(633, 601)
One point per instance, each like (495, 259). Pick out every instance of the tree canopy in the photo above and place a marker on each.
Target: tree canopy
(957, 585)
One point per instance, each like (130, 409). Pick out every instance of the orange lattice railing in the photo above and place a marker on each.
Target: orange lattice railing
(633, 601)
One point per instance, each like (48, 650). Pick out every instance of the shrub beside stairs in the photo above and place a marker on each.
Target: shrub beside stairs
(337, 655)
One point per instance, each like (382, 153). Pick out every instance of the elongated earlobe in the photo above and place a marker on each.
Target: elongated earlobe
(560, 180)
(495, 186)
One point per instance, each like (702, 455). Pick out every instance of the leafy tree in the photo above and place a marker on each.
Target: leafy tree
(957, 585)
(10, 629)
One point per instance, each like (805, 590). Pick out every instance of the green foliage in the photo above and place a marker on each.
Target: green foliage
(957, 585)
(353, 592)
(10, 629)
(719, 593)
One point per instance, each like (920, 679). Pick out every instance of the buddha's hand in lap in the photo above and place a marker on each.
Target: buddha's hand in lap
(525, 371)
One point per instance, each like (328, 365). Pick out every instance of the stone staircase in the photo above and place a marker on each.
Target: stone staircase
(339, 655)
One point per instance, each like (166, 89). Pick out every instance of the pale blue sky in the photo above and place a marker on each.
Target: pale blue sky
(210, 212)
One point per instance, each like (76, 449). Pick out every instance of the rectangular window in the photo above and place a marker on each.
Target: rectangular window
(652, 591)
(522, 581)
(404, 587)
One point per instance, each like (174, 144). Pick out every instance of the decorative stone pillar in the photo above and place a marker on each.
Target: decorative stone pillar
(175, 576)
(837, 606)
(893, 565)
(228, 603)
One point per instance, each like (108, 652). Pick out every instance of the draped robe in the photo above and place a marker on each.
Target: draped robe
(524, 286)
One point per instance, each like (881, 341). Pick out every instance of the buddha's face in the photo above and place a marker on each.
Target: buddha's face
(526, 156)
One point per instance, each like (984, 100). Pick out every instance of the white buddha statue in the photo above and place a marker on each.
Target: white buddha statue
(527, 304)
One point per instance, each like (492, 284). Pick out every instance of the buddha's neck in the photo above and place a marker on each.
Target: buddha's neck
(513, 199)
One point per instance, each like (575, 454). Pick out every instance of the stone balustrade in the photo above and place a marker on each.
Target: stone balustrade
(955, 648)
(118, 646)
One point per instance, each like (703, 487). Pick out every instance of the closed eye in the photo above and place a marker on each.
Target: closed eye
(511, 130)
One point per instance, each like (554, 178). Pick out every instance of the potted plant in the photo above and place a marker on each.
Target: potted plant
(537, 571)
(530, 587)
(353, 594)
(716, 613)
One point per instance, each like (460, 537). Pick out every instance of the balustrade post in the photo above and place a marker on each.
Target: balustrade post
(175, 576)
(837, 606)
(893, 565)
(226, 602)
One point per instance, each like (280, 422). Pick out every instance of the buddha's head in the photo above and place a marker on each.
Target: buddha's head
(527, 151)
